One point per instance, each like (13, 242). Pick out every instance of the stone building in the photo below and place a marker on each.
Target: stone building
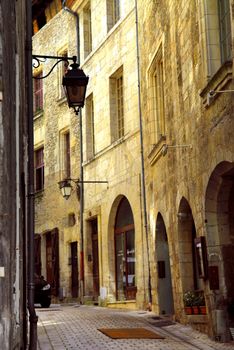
(186, 59)
(116, 265)
(56, 144)
(13, 174)
(112, 241)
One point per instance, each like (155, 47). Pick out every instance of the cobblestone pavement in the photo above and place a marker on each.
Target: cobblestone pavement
(74, 327)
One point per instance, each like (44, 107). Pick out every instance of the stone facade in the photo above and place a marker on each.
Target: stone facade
(189, 163)
(115, 156)
(51, 123)
(108, 54)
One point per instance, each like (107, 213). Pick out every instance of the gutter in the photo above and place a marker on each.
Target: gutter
(30, 181)
(75, 14)
(142, 164)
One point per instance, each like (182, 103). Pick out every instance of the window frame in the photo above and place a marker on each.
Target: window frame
(90, 127)
(113, 13)
(38, 93)
(62, 69)
(65, 154)
(39, 169)
(87, 29)
(157, 123)
(116, 91)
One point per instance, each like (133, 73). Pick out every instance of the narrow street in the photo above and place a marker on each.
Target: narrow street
(76, 327)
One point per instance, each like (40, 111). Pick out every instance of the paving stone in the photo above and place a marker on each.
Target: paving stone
(77, 328)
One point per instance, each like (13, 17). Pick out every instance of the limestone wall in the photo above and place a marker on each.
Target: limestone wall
(200, 135)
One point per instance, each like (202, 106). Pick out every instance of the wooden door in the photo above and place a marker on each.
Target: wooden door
(37, 254)
(95, 259)
(52, 260)
(74, 270)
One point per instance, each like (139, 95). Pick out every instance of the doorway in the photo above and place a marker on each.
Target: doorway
(125, 252)
(166, 304)
(187, 256)
(94, 236)
(219, 207)
(74, 270)
(37, 254)
(52, 260)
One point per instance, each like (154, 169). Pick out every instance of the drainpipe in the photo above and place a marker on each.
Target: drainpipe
(142, 163)
(81, 162)
(30, 182)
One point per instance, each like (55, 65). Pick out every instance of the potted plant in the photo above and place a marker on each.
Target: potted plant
(189, 298)
(194, 303)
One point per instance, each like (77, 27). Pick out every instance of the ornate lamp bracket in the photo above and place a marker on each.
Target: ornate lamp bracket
(39, 59)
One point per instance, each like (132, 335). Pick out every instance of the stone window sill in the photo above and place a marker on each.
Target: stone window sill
(157, 150)
(218, 82)
(38, 114)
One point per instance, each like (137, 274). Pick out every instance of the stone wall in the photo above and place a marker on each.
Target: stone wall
(197, 137)
(51, 209)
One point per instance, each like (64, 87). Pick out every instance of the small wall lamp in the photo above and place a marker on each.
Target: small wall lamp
(66, 186)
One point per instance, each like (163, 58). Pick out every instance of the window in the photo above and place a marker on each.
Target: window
(87, 25)
(62, 70)
(65, 155)
(225, 30)
(39, 169)
(156, 99)
(113, 13)
(117, 105)
(218, 33)
(37, 93)
(90, 134)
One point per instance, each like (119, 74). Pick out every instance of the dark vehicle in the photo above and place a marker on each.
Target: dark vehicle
(42, 291)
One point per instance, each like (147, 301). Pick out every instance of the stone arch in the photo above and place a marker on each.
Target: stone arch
(219, 213)
(164, 285)
(121, 237)
(187, 256)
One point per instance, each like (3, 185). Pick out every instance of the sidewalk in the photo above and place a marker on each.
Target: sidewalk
(76, 327)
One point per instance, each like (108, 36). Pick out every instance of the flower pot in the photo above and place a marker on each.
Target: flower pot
(202, 310)
(188, 310)
(195, 310)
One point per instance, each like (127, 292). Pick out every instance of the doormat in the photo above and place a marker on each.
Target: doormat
(130, 333)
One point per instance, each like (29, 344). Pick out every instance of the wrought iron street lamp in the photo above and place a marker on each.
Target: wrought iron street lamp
(75, 83)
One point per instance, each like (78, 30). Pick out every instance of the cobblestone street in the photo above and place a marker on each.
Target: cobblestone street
(76, 327)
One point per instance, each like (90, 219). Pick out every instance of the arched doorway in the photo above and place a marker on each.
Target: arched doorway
(187, 253)
(166, 305)
(219, 210)
(125, 252)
